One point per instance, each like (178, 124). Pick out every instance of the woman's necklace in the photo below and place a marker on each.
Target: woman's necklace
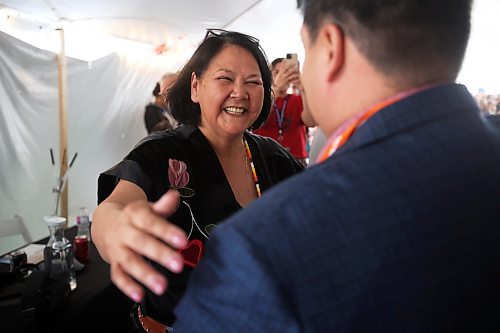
(244, 184)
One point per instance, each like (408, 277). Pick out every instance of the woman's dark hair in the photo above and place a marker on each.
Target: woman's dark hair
(416, 39)
(179, 95)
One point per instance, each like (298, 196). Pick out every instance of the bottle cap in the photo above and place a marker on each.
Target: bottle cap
(53, 221)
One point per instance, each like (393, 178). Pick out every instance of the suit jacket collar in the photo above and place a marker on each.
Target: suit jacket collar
(423, 107)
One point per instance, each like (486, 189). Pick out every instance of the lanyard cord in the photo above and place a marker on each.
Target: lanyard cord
(280, 114)
(252, 166)
(337, 140)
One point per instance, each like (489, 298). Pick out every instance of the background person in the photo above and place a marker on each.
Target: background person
(157, 116)
(215, 164)
(397, 230)
(289, 117)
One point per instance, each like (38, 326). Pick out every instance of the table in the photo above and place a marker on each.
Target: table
(96, 305)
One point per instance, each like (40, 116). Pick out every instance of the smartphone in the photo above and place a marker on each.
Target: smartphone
(292, 58)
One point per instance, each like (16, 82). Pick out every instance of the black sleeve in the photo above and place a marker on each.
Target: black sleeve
(128, 170)
(144, 166)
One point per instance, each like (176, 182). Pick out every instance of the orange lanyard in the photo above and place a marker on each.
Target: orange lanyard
(340, 137)
(252, 166)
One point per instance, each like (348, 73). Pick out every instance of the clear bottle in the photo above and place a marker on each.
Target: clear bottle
(83, 223)
(58, 253)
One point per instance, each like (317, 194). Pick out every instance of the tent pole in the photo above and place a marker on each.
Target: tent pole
(63, 134)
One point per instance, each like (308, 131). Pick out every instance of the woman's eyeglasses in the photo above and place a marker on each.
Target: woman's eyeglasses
(224, 33)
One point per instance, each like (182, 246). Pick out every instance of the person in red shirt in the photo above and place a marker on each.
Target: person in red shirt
(289, 118)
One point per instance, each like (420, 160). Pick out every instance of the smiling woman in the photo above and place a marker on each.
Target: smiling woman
(212, 162)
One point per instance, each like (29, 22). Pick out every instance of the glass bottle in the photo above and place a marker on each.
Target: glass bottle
(83, 223)
(58, 253)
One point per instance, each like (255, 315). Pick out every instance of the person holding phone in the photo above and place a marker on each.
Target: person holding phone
(289, 118)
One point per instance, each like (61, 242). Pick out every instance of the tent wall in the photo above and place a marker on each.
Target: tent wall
(106, 100)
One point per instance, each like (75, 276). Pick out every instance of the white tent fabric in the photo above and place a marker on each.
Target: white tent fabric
(177, 24)
(106, 99)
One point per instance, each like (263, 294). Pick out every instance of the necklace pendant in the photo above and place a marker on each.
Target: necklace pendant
(280, 137)
(280, 134)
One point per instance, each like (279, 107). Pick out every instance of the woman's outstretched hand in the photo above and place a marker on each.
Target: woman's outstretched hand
(128, 229)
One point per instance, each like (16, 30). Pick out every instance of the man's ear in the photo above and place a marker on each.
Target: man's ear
(332, 38)
(194, 88)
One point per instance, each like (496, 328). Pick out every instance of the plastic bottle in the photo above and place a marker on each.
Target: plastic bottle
(58, 253)
(83, 223)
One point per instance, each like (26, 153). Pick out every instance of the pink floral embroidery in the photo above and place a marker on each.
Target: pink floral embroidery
(177, 173)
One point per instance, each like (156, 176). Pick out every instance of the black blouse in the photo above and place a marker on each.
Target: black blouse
(183, 159)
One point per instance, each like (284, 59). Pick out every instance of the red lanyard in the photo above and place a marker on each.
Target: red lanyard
(340, 137)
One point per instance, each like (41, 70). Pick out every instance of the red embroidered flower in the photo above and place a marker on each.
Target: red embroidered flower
(177, 173)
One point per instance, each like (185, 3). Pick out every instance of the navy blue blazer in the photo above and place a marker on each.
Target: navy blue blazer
(399, 231)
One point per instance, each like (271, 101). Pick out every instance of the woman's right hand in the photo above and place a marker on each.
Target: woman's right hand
(126, 228)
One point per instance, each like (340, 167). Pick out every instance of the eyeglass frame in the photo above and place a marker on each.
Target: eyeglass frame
(224, 33)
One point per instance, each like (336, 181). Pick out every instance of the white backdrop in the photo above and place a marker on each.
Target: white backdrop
(106, 99)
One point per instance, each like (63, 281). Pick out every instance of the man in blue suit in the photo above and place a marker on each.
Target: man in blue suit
(397, 229)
